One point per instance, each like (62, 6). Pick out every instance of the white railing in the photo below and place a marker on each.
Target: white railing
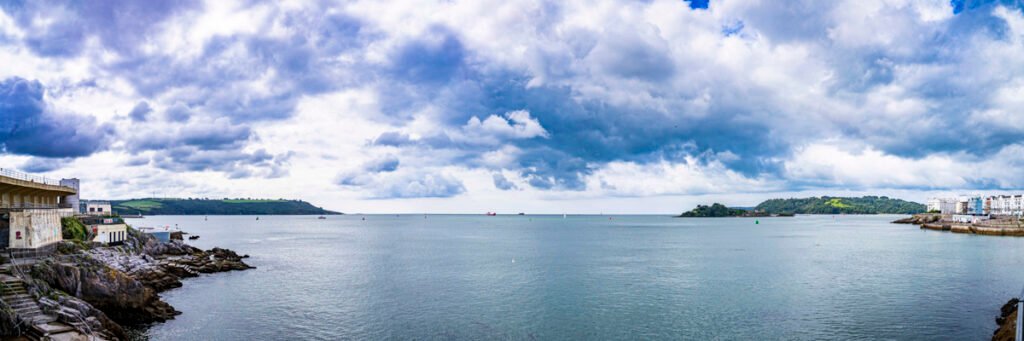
(10, 173)
(1018, 335)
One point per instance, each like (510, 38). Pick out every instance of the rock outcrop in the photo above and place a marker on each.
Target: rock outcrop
(918, 219)
(97, 289)
(1007, 321)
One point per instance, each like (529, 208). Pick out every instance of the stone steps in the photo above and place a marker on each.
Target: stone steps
(15, 295)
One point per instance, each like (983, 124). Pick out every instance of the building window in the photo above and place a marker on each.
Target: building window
(92, 209)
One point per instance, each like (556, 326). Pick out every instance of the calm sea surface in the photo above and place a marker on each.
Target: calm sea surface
(629, 277)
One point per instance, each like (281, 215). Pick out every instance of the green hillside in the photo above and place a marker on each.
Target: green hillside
(196, 206)
(841, 205)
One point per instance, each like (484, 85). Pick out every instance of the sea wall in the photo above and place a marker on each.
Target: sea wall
(994, 227)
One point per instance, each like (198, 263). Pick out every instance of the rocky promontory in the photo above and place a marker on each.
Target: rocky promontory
(98, 289)
(919, 219)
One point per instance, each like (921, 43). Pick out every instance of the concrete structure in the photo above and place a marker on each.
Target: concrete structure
(34, 228)
(942, 205)
(100, 208)
(21, 190)
(71, 200)
(968, 218)
(163, 236)
(31, 208)
(113, 233)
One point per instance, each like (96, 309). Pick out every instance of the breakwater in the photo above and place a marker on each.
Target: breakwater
(1004, 226)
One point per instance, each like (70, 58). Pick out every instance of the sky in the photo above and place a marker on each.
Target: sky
(594, 106)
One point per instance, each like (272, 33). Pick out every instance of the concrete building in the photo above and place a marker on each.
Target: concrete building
(99, 208)
(71, 200)
(31, 208)
(942, 205)
(110, 231)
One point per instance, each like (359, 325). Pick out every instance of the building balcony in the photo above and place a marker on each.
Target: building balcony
(29, 205)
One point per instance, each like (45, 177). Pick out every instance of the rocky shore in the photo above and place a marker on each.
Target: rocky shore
(1007, 322)
(98, 289)
(919, 219)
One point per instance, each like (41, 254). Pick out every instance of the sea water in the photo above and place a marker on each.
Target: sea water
(474, 277)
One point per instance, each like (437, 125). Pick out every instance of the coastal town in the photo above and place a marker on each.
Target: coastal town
(977, 205)
(996, 215)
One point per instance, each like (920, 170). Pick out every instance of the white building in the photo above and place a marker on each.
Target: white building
(98, 208)
(109, 233)
(942, 205)
(1006, 205)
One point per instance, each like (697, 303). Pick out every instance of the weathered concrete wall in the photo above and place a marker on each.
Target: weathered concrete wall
(33, 228)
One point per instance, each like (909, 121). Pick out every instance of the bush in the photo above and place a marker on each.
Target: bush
(72, 229)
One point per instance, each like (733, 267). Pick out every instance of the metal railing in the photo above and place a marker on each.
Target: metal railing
(10, 173)
(1018, 334)
(31, 205)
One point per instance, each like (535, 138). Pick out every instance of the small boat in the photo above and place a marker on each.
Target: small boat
(491, 214)
(521, 213)
(321, 217)
(193, 237)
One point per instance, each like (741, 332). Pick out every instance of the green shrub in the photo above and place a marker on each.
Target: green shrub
(72, 229)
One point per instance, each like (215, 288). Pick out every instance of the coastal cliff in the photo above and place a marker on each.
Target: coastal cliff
(98, 289)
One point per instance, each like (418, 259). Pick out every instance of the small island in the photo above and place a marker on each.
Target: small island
(717, 210)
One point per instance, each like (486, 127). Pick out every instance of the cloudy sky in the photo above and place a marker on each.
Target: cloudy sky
(535, 106)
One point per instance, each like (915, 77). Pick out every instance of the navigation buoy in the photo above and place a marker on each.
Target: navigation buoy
(757, 222)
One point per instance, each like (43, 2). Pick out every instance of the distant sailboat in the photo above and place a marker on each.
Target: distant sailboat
(564, 215)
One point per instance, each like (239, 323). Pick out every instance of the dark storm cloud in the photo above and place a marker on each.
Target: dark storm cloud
(28, 127)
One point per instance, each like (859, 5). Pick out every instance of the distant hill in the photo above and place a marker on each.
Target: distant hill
(174, 206)
(841, 205)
